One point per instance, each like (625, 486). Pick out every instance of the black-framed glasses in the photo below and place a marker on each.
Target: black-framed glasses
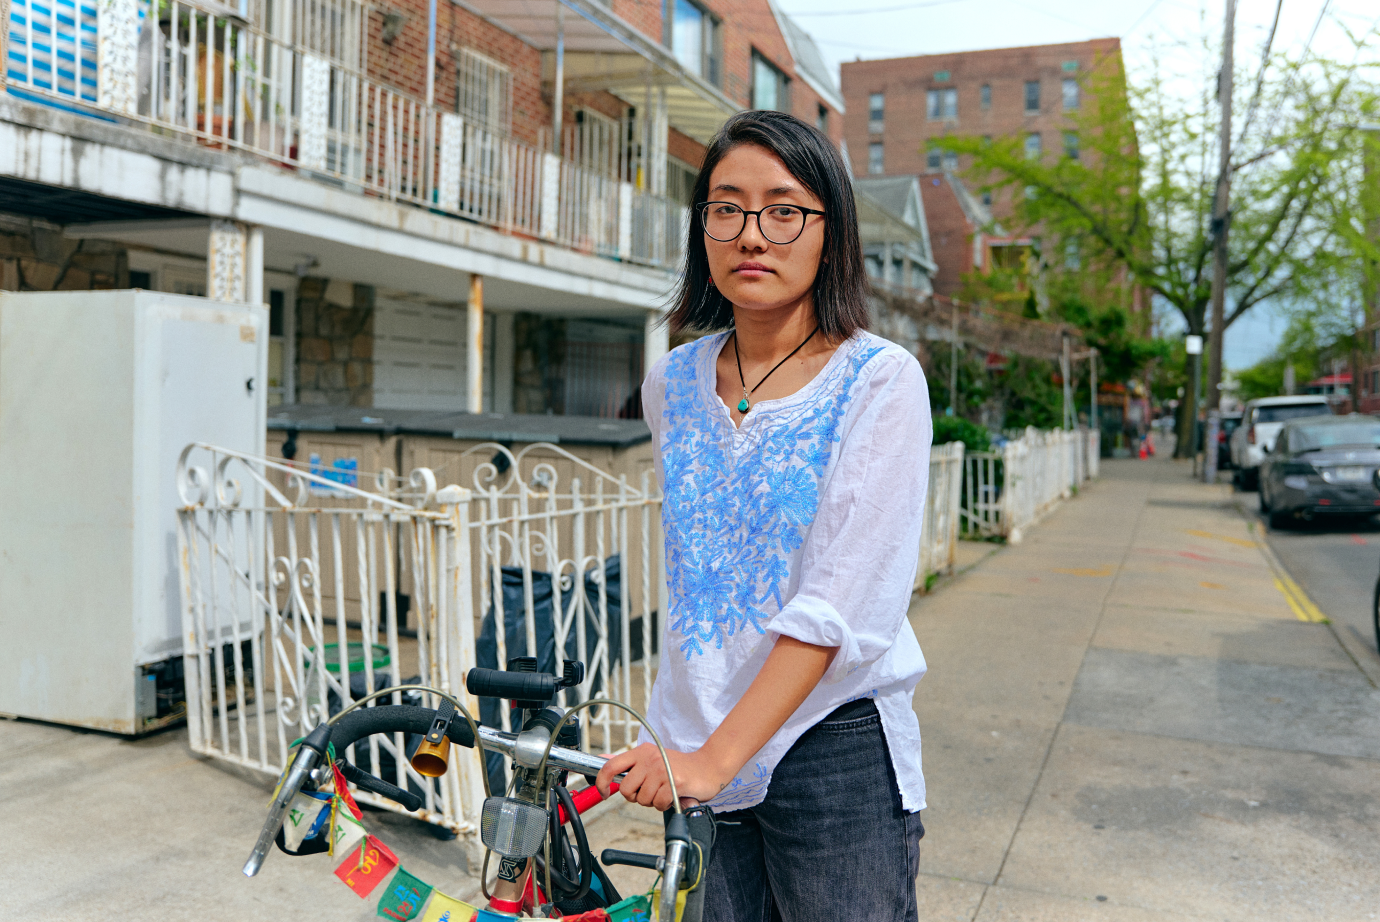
(780, 224)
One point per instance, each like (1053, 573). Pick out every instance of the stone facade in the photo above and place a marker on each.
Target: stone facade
(335, 343)
(35, 256)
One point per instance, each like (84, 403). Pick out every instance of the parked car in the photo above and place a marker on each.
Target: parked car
(1323, 465)
(1230, 423)
(1261, 421)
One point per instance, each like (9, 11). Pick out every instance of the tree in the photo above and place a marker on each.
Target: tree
(1140, 194)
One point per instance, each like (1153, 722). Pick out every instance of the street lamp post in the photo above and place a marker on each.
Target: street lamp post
(1193, 345)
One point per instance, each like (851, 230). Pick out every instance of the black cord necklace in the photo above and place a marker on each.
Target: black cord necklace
(744, 405)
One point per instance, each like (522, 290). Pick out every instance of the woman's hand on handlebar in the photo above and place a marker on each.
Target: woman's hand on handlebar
(696, 776)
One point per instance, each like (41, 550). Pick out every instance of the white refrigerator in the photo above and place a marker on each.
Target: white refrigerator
(99, 393)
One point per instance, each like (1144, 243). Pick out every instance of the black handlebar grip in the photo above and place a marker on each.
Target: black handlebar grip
(368, 782)
(394, 718)
(632, 859)
(516, 686)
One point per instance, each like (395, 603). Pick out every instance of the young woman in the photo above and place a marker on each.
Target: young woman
(793, 453)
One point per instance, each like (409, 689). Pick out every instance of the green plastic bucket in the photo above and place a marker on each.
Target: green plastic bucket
(355, 652)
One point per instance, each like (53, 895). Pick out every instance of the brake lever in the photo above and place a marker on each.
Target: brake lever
(309, 757)
(673, 866)
(369, 782)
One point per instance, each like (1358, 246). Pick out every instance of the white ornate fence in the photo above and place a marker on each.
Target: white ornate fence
(939, 538)
(283, 569)
(1004, 492)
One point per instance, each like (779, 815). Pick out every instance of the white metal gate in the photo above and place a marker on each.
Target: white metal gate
(299, 605)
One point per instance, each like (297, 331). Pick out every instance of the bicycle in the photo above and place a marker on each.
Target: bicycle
(526, 826)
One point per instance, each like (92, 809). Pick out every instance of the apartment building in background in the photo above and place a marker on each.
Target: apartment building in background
(897, 108)
(446, 207)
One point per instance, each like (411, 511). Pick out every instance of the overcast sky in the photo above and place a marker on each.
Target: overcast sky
(895, 28)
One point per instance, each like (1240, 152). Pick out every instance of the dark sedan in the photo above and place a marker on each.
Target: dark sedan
(1322, 465)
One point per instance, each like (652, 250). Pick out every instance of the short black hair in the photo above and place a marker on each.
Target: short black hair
(841, 285)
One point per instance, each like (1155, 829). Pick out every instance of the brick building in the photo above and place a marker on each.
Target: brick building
(898, 107)
(526, 183)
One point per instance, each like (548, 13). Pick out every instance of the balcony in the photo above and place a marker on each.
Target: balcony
(297, 94)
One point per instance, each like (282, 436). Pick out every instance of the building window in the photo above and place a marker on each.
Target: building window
(771, 89)
(483, 91)
(1070, 94)
(822, 118)
(695, 39)
(1033, 146)
(1071, 145)
(1375, 381)
(876, 112)
(1374, 337)
(874, 158)
(1032, 96)
(936, 159)
(942, 103)
(1073, 254)
(986, 95)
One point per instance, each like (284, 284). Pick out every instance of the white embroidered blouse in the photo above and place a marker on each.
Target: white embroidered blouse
(803, 522)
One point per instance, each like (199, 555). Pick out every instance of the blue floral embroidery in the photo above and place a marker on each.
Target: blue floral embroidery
(733, 514)
(741, 791)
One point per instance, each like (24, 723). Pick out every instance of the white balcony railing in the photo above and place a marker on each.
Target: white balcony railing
(203, 73)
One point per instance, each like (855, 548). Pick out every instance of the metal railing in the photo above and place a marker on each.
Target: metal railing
(1005, 492)
(297, 589)
(201, 72)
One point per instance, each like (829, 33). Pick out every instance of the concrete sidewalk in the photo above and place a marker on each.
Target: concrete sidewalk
(1124, 706)
(1125, 719)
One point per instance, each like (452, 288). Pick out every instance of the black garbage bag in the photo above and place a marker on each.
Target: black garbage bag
(515, 636)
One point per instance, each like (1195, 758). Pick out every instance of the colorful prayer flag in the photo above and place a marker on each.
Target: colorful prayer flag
(442, 908)
(304, 818)
(367, 866)
(635, 909)
(342, 788)
(347, 833)
(647, 905)
(403, 897)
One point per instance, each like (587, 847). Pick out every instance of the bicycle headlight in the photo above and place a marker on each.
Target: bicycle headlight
(513, 828)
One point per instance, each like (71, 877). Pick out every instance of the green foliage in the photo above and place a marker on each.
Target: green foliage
(1121, 352)
(974, 384)
(957, 429)
(1032, 396)
(1313, 335)
(1140, 197)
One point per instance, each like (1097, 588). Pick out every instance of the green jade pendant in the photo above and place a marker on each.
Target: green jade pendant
(743, 405)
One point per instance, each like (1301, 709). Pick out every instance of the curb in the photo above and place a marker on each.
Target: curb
(1299, 602)
(1366, 657)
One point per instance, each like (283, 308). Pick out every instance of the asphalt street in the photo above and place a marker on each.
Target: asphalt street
(1336, 562)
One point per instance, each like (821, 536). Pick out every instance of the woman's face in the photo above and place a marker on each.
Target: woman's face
(754, 273)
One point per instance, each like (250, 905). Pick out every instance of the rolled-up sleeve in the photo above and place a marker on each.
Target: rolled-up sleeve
(857, 568)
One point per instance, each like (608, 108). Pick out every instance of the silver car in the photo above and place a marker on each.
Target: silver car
(1324, 465)
(1260, 424)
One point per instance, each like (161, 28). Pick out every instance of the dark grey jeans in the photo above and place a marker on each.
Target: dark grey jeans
(829, 842)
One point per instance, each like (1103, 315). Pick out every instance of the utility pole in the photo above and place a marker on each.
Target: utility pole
(1066, 370)
(1221, 214)
(953, 363)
